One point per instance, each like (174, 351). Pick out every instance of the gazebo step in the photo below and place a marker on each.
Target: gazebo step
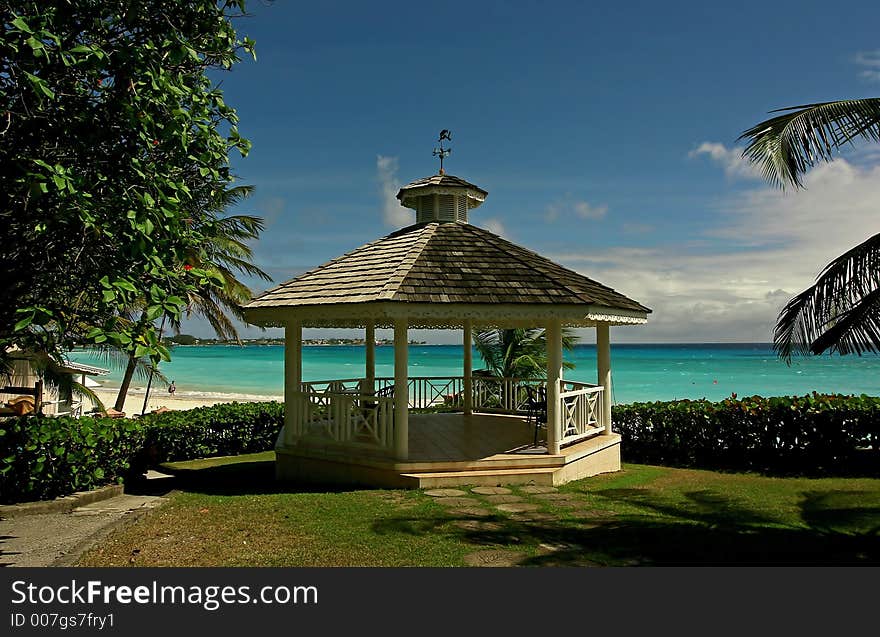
(540, 476)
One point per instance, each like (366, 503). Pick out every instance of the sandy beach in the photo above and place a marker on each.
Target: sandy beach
(160, 397)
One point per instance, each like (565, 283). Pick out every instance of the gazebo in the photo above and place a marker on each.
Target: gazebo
(443, 273)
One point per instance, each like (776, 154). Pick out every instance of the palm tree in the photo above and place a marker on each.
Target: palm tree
(518, 353)
(840, 312)
(224, 251)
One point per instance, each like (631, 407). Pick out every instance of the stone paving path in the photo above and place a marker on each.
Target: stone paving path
(58, 539)
(503, 500)
(491, 491)
(445, 493)
(513, 504)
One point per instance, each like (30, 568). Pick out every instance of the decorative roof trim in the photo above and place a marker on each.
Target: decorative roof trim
(445, 315)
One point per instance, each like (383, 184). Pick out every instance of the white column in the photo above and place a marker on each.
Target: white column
(292, 380)
(401, 390)
(603, 367)
(370, 372)
(554, 382)
(468, 369)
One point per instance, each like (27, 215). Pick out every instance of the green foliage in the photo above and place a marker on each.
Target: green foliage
(785, 146)
(114, 139)
(840, 312)
(811, 435)
(42, 458)
(221, 430)
(518, 353)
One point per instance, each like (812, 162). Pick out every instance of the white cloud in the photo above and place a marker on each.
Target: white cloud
(729, 284)
(585, 211)
(870, 63)
(494, 225)
(581, 208)
(392, 212)
(730, 158)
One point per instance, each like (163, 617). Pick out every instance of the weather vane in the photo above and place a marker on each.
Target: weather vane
(441, 152)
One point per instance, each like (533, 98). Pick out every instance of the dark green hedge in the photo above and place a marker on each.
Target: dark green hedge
(43, 458)
(809, 435)
(226, 429)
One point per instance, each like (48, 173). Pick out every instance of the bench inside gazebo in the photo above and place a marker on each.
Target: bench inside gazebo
(410, 431)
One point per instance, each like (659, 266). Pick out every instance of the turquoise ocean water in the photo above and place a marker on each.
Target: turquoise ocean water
(640, 372)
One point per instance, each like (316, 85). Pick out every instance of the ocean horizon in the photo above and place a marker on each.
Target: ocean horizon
(640, 372)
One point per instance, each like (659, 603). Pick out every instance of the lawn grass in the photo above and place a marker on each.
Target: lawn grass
(230, 512)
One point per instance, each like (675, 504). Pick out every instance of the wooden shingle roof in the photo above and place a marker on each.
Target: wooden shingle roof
(443, 263)
(439, 180)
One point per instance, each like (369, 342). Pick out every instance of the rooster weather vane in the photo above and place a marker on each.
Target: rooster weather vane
(441, 152)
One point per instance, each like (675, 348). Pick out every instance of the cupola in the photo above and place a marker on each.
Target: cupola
(441, 198)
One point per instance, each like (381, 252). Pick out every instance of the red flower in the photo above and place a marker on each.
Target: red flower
(155, 142)
(187, 267)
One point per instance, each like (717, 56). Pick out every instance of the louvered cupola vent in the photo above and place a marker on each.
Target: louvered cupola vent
(441, 198)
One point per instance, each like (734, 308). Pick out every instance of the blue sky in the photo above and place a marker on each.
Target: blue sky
(604, 132)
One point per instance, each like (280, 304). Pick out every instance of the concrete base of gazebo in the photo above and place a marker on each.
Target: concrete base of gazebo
(453, 449)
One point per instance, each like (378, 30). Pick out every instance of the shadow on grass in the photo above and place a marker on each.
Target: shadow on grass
(706, 529)
(233, 478)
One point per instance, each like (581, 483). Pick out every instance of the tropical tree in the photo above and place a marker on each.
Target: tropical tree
(518, 353)
(223, 255)
(112, 128)
(840, 312)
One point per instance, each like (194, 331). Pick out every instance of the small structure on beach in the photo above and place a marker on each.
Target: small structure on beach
(443, 273)
(24, 390)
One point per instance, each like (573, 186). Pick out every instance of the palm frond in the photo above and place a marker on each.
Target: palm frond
(225, 252)
(807, 322)
(518, 353)
(82, 390)
(486, 343)
(855, 331)
(118, 359)
(786, 146)
(230, 197)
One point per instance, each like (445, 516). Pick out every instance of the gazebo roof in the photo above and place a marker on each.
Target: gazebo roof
(441, 266)
(439, 180)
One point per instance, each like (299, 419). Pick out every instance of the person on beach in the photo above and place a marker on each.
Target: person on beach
(172, 388)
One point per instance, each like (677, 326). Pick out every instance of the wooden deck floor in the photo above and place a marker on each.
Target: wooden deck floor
(460, 438)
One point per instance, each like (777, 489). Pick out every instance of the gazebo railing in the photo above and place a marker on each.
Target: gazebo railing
(580, 411)
(350, 412)
(429, 391)
(503, 395)
(348, 417)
